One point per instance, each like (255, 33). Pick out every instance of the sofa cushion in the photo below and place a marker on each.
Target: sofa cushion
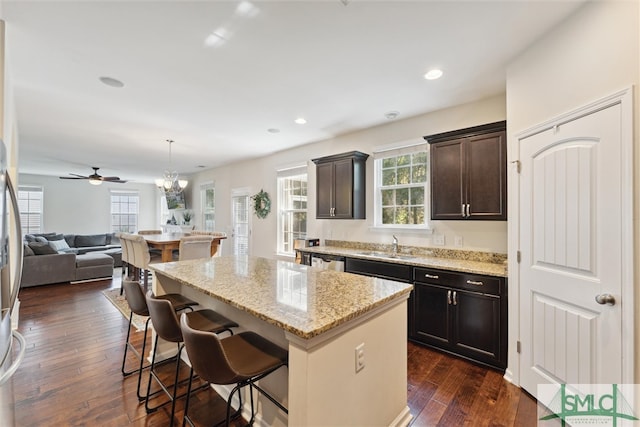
(40, 239)
(54, 237)
(40, 248)
(27, 251)
(29, 238)
(59, 245)
(71, 239)
(91, 240)
(92, 259)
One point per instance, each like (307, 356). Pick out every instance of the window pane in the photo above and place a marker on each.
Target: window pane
(292, 205)
(401, 188)
(389, 177)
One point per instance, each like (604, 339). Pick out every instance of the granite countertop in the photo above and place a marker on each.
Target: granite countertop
(460, 261)
(302, 300)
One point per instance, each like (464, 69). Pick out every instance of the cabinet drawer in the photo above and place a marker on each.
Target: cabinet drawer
(386, 270)
(471, 282)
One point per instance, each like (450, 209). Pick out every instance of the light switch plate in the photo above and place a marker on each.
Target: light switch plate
(438, 239)
(457, 241)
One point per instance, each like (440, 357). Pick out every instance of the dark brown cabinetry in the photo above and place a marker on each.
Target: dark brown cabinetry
(461, 313)
(340, 186)
(468, 173)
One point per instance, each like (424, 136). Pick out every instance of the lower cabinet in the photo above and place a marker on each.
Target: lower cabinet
(461, 314)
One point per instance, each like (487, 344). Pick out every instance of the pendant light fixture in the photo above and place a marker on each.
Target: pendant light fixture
(170, 181)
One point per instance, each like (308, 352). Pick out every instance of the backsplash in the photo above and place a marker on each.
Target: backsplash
(491, 257)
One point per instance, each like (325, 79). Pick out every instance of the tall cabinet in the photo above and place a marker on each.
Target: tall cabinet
(469, 173)
(340, 186)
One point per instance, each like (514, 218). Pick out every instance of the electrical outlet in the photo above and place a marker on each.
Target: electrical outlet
(438, 239)
(359, 357)
(457, 241)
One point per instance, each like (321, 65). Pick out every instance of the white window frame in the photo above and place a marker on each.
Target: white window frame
(283, 211)
(32, 210)
(207, 210)
(400, 149)
(129, 193)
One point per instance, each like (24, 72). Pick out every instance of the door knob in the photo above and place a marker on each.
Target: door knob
(605, 299)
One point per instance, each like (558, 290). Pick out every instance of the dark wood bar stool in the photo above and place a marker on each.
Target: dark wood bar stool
(166, 324)
(138, 305)
(241, 359)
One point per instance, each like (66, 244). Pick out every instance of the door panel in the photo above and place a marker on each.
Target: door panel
(241, 224)
(477, 325)
(571, 234)
(343, 190)
(432, 314)
(324, 189)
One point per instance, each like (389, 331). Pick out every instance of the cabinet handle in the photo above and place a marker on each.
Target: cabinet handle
(455, 297)
(473, 282)
(468, 214)
(431, 276)
(463, 215)
(449, 297)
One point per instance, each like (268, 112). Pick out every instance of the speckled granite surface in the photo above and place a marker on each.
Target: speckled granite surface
(486, 263)
(299, 299)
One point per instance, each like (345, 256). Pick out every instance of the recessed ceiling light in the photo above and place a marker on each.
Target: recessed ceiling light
(433, 74)
(110, 81)
(300, 120)
(391, 115)
(273, 130)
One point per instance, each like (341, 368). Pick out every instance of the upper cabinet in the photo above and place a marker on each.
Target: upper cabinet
(340, 186)
(469, 174)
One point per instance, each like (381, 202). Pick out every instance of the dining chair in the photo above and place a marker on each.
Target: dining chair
(195, 247)
(142, 258)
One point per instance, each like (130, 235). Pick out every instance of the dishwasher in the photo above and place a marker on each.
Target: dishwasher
(328, 262)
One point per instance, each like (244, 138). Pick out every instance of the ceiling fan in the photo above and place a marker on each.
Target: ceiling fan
(94, 178)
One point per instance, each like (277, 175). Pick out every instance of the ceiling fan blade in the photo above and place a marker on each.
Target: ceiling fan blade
(110, 178)
(79, 176)
(119, 181)
(72, 177)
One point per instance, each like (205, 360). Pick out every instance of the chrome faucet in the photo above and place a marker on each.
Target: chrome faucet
(394, 246)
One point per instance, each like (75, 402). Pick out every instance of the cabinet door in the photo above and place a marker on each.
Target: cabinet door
(447, 168)
(486, 176)
(476, 327)
(343, 188)
(324, 190)
(431, 313)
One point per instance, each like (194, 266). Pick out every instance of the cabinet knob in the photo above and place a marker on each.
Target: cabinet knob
(473, 282)
(605, 299)
(431, 276)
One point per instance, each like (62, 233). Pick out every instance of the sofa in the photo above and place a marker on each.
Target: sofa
(56, 258)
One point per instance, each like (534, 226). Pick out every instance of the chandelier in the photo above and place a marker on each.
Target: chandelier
(170, 181)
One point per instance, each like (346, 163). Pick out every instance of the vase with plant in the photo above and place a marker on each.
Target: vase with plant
(186, 217)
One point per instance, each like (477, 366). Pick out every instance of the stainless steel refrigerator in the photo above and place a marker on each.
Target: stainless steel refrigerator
(10, 272)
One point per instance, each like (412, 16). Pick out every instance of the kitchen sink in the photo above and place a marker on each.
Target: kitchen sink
(385, 255)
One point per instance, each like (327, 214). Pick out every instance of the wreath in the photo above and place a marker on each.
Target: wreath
(261, 204)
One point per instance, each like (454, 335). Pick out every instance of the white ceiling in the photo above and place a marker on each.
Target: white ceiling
(342, 67)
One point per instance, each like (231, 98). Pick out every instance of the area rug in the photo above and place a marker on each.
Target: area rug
(113, 295)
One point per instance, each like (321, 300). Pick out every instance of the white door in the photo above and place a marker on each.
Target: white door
(241, 217)
(576, 244)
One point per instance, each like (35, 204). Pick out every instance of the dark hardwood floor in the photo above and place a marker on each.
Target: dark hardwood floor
(71, 373)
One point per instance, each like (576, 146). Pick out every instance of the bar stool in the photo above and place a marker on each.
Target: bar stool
(138, 305)
(166, 324)
(195, 247)
(241, 359)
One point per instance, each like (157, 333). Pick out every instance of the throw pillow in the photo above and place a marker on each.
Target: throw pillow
(27, 251)
(41, 239)
(55, 237)
(29, 238)
(40, 248)
(58, 245)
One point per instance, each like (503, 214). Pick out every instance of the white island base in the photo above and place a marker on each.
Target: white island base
(320, 386)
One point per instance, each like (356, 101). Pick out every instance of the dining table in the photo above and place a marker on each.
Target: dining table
(168, 242)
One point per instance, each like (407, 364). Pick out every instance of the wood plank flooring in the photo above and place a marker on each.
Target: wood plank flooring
(71, 373)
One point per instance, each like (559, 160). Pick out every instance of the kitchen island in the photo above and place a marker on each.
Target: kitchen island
(323, 318)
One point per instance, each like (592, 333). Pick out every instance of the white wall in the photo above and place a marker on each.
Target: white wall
(77, 207)
(261, 174)
(592, 54)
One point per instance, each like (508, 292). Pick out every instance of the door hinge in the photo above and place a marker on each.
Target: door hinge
(518, 165)
(518, 349)
(518, 256)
